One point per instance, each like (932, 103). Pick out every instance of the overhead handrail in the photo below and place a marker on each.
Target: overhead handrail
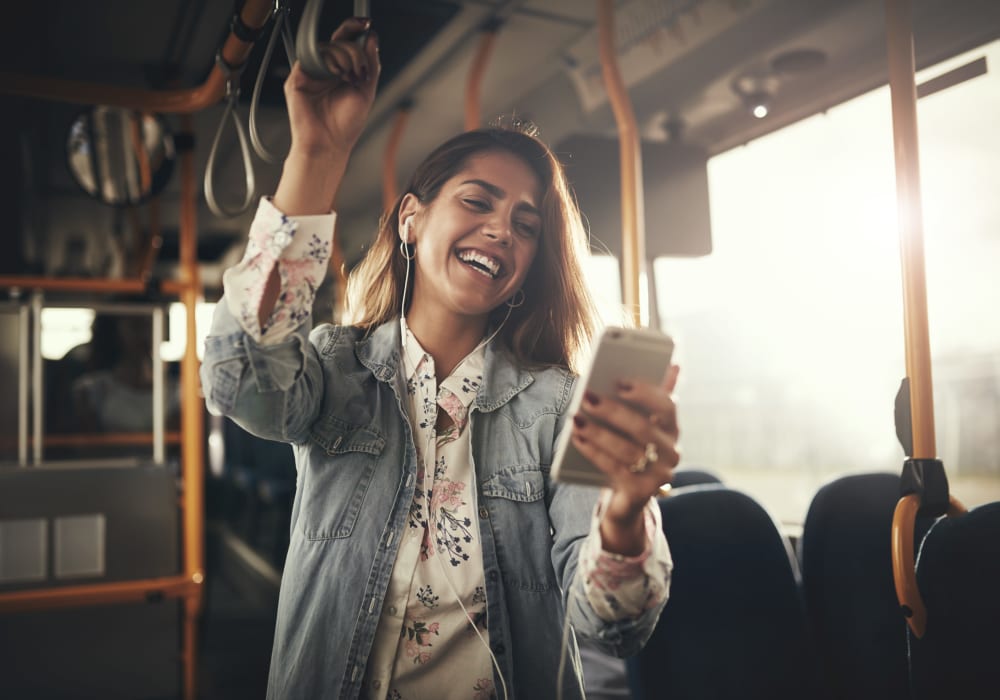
(308, 48)
(280, 28)
(252, 17)
(924, 483)
(86, 284)
(630, 160)
(141, 591)
(229, 112)
(476, 71)
(390, 189)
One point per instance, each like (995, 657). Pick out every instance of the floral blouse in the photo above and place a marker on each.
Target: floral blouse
(433, 627)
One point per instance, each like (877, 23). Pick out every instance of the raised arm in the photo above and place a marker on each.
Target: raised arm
(260, 367)
(326, 118)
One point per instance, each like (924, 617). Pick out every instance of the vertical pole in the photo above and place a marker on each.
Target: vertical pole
(23, 372)
(37, 385)
(390, 190)
(159, 413)
(630, 159)
(192, 429)
(902, 88)
(474, 80)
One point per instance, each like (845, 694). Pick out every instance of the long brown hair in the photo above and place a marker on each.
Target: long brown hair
(555, 323)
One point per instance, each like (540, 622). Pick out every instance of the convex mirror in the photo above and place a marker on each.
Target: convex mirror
(120, 156)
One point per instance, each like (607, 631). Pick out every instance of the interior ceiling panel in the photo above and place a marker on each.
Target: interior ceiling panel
(428, 46)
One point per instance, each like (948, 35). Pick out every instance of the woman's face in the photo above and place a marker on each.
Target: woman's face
(476, 241)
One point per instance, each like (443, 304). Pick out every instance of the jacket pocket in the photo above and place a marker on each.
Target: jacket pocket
(523, 486)
(225, 383)
(515, 500)
(337, 475)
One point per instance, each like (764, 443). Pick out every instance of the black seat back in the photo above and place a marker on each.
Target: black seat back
(846, 558)
(958, 573)
(734, 626)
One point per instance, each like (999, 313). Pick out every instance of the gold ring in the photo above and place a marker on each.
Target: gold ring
(650, 455)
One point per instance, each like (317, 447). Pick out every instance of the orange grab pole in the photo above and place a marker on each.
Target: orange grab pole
(102, 439)
(84, 284)
(474, 81)
(903, 564)
(902, 87)
(192, 419)
(138, 591)
(630, 156)
(254, 14)
(903, 92)
(389, 188)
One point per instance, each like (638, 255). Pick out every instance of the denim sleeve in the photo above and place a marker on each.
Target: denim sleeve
(571, 508)
(273, 391)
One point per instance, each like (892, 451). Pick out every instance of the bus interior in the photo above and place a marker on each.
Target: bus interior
(142, 539)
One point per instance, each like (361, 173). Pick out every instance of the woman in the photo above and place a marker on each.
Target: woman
(430, 555)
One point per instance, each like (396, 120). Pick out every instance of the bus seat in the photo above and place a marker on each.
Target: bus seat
(958, 573)
(846, 557)
(604, 675)
(691, 476)
(734, 626)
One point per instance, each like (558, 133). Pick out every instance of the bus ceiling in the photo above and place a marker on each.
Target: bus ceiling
(711, 74)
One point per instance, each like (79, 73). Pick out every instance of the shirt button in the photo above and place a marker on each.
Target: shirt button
(376, 684)
(499, 649)
(392, 609)
(492, 575)
(483, 512)
(280, 238)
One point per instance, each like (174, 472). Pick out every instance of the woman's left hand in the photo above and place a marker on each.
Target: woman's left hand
(639, 454)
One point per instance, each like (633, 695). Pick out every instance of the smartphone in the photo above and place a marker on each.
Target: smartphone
(637, 353)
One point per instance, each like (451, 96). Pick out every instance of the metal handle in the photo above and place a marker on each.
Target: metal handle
(305, 38)
(280, 28)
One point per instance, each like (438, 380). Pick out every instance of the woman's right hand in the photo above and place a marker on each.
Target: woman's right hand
(328, 115)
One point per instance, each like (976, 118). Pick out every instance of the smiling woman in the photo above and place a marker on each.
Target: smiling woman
(425, 431)
(459, 180)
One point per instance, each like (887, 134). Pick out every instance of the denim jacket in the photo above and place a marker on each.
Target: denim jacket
(338, 396)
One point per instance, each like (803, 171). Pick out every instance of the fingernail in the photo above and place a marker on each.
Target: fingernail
(579, 421)
(591, 398)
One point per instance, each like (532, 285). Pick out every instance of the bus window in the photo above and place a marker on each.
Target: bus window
(603, 273)
(172, 349)
(790, 333)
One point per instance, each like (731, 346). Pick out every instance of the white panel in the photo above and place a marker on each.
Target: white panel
(23, 550)
(79, 545)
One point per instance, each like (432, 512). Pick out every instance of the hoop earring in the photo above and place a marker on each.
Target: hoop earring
(520, 302)
(404, 250)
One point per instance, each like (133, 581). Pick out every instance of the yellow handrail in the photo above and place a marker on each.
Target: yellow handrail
(390, 190)
(630, 158)
(474, 81)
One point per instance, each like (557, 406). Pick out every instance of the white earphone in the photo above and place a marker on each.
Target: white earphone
(404, 230)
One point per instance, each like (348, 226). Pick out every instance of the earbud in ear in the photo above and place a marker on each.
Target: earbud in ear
(404, 230)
